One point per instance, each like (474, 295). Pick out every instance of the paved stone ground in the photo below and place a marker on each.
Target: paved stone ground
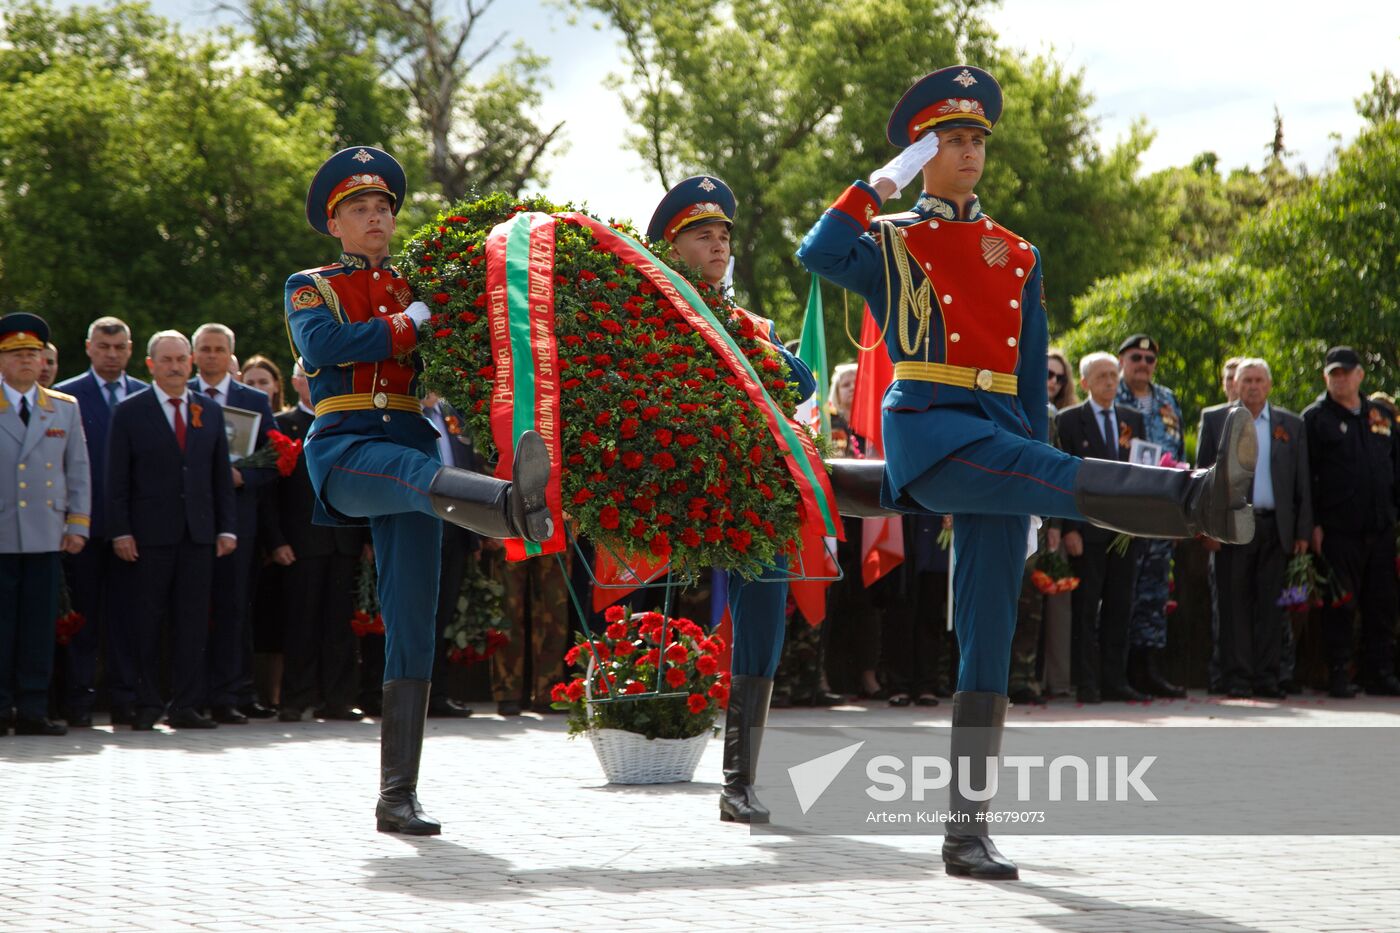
(270, 827)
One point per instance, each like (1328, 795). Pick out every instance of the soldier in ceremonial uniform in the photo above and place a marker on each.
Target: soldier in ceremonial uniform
(372, 457)
(958, 297)
(696, 218)
(44, 510)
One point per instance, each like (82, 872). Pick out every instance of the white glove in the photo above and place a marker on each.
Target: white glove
(1032, 542)
(903, 168)
(418, 313)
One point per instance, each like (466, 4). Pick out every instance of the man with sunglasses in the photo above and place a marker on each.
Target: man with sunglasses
(1161, 413)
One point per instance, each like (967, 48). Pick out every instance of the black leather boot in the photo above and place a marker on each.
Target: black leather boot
(400, 747)
(494, 507)
(856, 484)
(1157, 683)
(1159, 502)
(749, 697)
(978, 720)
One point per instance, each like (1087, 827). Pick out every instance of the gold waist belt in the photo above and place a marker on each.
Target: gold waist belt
(964, 377)
(367, 401)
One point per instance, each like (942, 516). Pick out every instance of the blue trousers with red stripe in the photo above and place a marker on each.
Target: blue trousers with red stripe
(758, 612)
(387, 482)
(990, 487)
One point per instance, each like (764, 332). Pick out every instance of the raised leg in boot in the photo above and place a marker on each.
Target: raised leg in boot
(400, 748)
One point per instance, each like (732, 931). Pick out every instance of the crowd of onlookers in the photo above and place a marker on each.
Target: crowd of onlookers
(204, 592)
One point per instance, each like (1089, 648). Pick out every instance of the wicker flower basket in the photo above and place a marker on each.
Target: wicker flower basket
(629, 758)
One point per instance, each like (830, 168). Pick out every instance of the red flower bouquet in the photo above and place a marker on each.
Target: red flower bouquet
(70, 621)
(670, 667)
(665, 454)
(366, 620)
(279, 451)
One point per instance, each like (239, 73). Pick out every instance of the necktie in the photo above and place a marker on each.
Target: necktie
(1108, 437)
(112, 399)
(213, 393)
(24, 409)
(179, 424)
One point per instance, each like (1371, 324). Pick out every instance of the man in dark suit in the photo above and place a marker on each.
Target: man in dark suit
(1212, 423)
(1102, 604)
(230, 651)
(170, 513)
(318, 644)
(1250, 576)
(100, 584)
(458, 546)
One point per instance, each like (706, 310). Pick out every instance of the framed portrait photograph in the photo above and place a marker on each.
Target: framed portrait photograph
(241, 426)
(1145, 452)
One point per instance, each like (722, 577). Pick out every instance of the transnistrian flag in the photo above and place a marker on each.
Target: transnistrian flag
(812, 351)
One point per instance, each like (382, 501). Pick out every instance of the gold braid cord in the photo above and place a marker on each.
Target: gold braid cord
(913, 302)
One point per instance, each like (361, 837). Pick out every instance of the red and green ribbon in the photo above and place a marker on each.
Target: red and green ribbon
(807, 470)
(520, 309)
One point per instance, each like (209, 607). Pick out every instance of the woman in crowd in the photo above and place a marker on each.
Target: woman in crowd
(261, 373)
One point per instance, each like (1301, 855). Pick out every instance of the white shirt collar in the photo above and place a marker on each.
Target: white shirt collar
(1263, 412)
(222, 385)
(1100, 409)
(12, 395)
(102, 383)
(165, 397)
(303, 407)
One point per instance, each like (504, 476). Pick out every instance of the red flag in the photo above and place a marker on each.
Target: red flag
(874, 373)
(815, 561)
(606, 570)
(881, 539)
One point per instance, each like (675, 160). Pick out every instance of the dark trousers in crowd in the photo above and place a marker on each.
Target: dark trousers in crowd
(230, 649)
(99, 584)
(916, 640)
(458, 544)
(854, 617)
(1023, 683)
(1102, 606)
(1364, 565)
(1250, 578)
(372, 674)
(318, 644)
(173, 587)
(28, 606)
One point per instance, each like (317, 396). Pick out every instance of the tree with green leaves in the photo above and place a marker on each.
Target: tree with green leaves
(412, 75)
(144, 174)
(787, 100)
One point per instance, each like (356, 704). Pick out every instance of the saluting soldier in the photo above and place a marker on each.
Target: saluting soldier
(44, 501)
(697, 217)
(373, 458)
(958, 298)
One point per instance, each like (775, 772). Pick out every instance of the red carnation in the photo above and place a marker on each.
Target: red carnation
(697, 703)
(675, 677)
(614, 614)
(661, 545)
(624, 648)
(443, 332)
(589, 439)
(663, 436)
(609, 517)
(677, 654)
(650, 412)
(587, 276)
(706, 664)
(574, 691)
(629, 427)
(720, 692)
(559, 693)
(634, 687)
(582, 496)
(663, 460)
(631, 460)
(756, 455)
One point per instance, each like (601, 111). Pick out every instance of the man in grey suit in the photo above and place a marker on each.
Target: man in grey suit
(44, 510)
(1250, 576)
(1212, 423)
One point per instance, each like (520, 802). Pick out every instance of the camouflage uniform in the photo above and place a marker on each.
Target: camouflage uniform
(536, 607)
(1162, 415)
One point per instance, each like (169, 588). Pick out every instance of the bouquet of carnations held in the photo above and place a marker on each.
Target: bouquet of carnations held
(1052, 574)
(647, 674)
(366, 619)
(70, 621)
(279, 451)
